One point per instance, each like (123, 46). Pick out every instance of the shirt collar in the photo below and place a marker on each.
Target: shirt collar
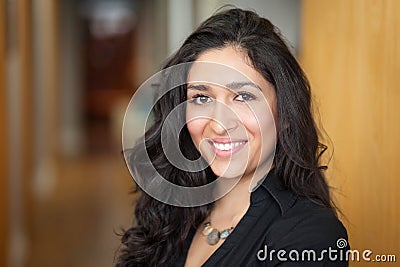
(273, 185)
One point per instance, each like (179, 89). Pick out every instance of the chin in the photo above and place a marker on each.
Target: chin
(229, 173)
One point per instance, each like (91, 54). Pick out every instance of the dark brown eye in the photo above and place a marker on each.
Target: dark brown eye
(200, 99)
(244, 96)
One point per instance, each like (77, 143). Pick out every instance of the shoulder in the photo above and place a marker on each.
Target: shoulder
(308, 222)
(308, 226)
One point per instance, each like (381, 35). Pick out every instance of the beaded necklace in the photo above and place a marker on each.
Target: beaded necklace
(214, 235)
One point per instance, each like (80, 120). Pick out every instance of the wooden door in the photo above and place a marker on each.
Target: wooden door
(3, 147)
(351, 53)
(16, 129)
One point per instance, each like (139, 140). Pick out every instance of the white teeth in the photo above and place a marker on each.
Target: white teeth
(227, 146)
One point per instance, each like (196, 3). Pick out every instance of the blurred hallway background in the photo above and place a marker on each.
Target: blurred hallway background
(69, 68)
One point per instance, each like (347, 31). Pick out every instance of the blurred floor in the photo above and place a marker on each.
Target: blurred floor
(76, 224)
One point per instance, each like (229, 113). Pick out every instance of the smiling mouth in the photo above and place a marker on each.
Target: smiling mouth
(225, 148)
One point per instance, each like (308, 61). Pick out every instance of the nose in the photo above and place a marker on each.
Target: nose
(223, 120)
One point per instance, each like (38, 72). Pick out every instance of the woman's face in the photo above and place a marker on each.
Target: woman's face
(230, 112)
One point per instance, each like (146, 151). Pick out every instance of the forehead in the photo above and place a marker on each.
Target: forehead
(224, 66)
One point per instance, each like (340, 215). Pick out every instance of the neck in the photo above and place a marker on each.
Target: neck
(232, 207)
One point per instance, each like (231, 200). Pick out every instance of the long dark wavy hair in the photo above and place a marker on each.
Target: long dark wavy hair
(160, 230)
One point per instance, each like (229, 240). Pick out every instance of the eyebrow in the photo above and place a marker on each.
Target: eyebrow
(232, 85)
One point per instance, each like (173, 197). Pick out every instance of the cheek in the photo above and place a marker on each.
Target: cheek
(252, 126)
(267, 137)
(267, 128)
(260, 126)
(196, 129)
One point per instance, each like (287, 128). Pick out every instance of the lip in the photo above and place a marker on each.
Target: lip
(229, 152)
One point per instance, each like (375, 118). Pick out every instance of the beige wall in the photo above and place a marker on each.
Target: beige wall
(351, 53)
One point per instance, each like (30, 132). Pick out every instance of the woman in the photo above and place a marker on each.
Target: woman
(287, 218)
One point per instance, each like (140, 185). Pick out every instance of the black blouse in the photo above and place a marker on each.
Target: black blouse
(280, 229)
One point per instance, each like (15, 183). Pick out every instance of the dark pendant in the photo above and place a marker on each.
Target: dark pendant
(213, 237)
